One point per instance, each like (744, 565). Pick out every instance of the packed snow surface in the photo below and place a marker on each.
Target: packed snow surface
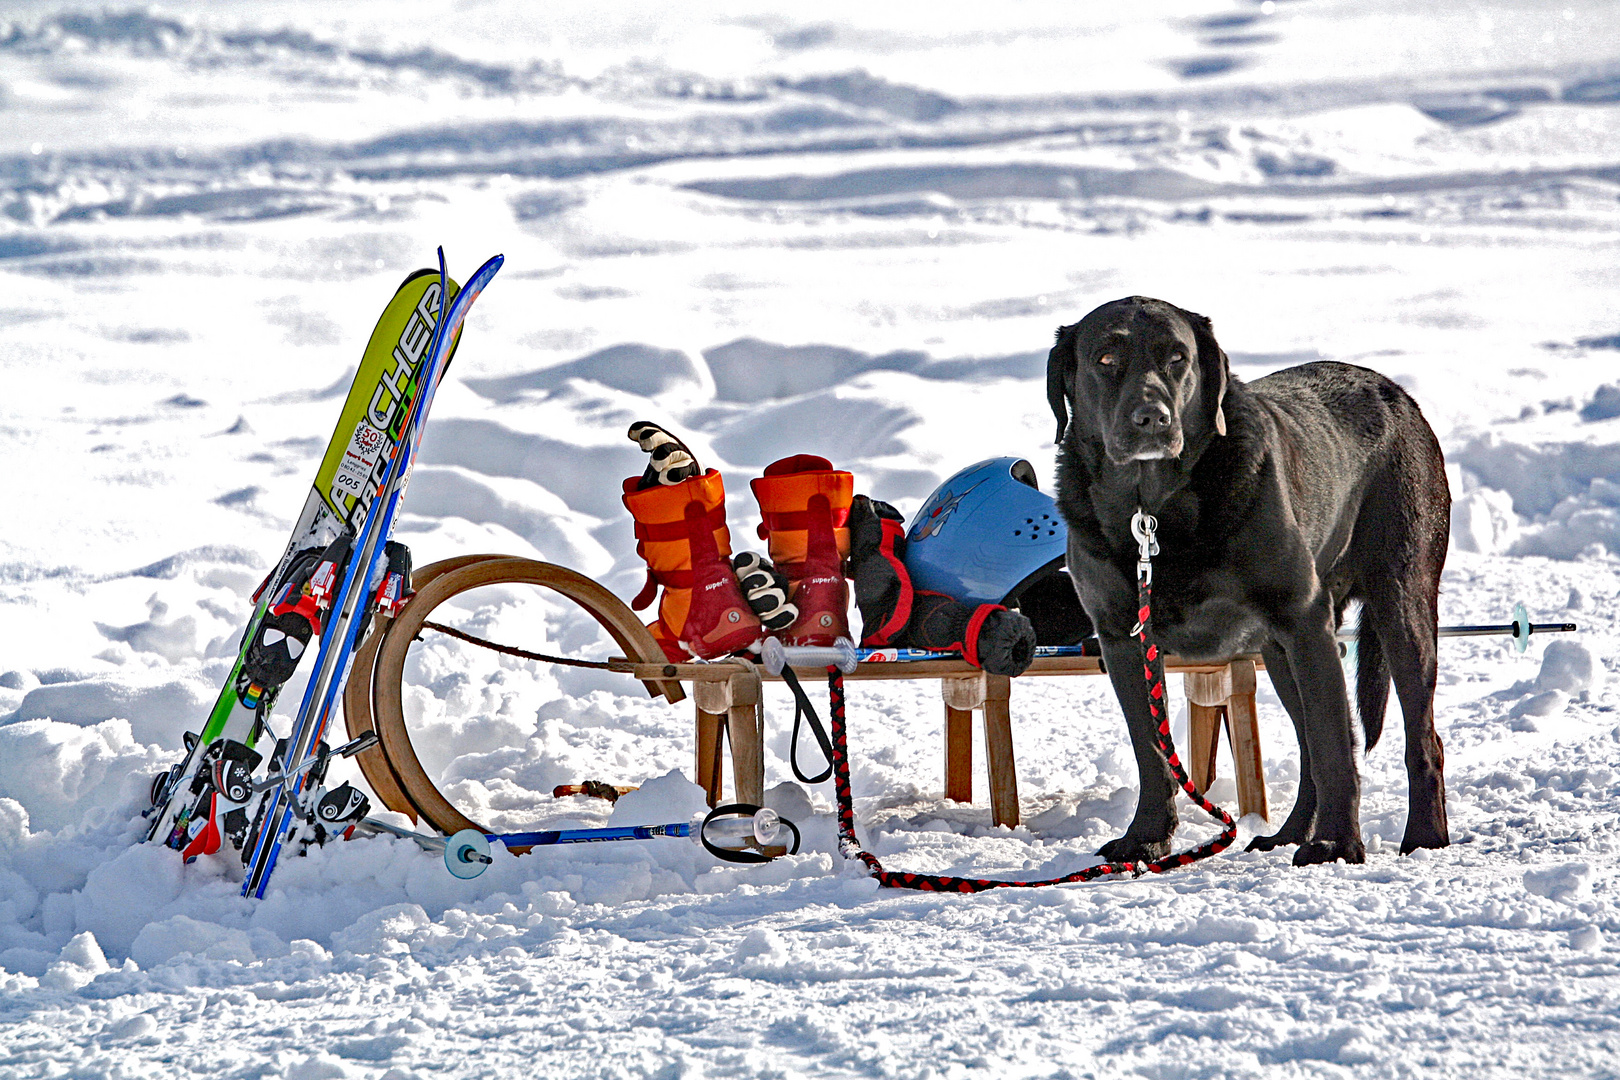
(847, 230)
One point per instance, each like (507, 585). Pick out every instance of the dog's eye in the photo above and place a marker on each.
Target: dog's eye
(1106, 359)
(1178, 358)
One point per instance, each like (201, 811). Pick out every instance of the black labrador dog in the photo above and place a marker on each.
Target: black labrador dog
(1277, 504)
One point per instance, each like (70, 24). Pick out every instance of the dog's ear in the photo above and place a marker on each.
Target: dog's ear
(1213, 368)
(1060, 378)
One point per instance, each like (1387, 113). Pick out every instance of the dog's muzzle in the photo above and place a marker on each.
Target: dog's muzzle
(1151, 434)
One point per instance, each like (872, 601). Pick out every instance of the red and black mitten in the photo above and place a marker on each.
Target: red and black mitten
(894, 613)
(990, 636)
(883, 592)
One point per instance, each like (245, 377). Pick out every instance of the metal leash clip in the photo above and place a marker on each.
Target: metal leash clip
(1143, 528)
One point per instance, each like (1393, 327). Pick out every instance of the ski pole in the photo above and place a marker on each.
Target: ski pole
(466, 853)
(348, 749)
(845, 656)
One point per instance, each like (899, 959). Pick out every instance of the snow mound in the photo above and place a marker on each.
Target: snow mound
(636, 369)
(583, 476)
(1567, 490)
(1483, 521)
(59, 772)
(545, 521)
(1570, 666)
(750, 370)
(156, 712)
(1567, 883)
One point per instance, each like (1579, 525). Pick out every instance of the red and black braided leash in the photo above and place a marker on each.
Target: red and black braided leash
(1142, 526)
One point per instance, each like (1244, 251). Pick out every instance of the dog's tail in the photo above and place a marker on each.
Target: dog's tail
(1372, 680)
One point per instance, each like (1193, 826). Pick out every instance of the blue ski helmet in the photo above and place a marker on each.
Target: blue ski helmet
(986, 534)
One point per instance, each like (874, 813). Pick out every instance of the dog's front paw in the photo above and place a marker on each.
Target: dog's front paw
(1269, 843)
(1296, 830)
(1131, 849)
(1326, 851)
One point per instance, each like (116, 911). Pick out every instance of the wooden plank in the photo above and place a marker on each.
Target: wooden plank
(1243, 731)
(707, 755)
(1203, 735)
(747, 754)
(998, 751)
(747, 740)
(958, 754)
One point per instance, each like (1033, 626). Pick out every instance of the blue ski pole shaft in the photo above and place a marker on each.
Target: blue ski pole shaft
(590, 836)
(547, 837)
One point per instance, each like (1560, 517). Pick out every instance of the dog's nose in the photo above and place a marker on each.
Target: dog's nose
(1154, 416)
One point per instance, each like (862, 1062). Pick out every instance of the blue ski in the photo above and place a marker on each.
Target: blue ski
(282, 810)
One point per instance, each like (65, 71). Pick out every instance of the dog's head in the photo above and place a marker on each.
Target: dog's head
(1143, 376)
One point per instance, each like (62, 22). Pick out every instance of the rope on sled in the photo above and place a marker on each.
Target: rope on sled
(512, 650)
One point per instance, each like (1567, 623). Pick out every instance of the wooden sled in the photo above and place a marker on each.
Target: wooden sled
(726, 697)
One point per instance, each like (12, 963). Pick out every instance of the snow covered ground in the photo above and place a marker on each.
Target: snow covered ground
(851, 233)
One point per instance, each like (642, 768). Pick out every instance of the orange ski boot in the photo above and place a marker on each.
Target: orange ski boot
(681, 532)
(805, 505)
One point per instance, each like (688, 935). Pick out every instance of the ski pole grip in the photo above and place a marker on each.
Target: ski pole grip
(841, 655)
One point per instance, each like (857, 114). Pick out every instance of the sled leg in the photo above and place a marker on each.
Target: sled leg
(1226, 698)
(731, 703)
(707, 766)
(747, 741)
(1203, 739)
(998, 751)
(958, 754)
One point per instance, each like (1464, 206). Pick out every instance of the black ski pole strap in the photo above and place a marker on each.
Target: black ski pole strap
(741, 855)
(802, 709)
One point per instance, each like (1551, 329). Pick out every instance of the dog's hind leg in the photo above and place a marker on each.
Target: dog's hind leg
(1297, 828)
(1400, 548)
(1407, 625)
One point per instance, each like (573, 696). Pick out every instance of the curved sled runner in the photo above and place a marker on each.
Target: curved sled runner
(374, 697)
